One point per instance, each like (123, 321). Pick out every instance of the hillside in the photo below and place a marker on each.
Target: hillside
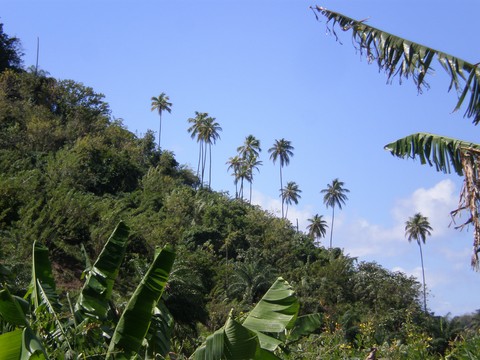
(70, 173)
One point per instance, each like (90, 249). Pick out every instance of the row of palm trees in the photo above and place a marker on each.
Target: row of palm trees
(206, 131)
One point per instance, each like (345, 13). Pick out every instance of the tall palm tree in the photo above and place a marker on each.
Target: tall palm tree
(235, 163)
(251, 164)
(417, 228)
(251, 147)
(290, 194)
(334, 196)
(204, 129)
(405, 59)
(161, 104)
(317, 227)
(249, 152)
(282, 149)
(210, 134)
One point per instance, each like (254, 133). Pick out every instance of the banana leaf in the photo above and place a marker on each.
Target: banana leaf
(305, 325)
(11, 309)
(11, 345)
(405, 59)
(134, 323)
(20, 343)
(275, 312)
(232, 342)
(441, 151)
(42, 274)
(32, 348)
(93, 301)
(160, 332)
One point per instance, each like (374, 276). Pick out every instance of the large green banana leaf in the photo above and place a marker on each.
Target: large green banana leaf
(11, 309)
(275, 312)
(97, 290)
(407, 59)
(441, 151)
(11, 345)
(260, 333)
(135, 320)
(20, 343)
(232, 342)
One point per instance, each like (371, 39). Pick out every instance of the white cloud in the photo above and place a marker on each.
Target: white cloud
(434, 203)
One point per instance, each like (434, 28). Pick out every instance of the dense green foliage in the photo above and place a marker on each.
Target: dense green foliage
(70, 173)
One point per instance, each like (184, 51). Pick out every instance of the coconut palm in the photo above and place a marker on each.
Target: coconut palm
(210, 134)
(405, 59)
(282, 149)
(251, 164)
(290, 194)
(235, 163)
(334, 196)
(317, 227)
(251, 147)
(205, 129)
(249, 152)
(161, 104)
(417, 228)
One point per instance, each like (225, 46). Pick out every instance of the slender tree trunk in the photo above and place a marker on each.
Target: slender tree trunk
(210, 166)
(204, 160)
(199, 159)
(250, 193)
(331, 229)
(281, 188)
(423, 277)
(159, 130)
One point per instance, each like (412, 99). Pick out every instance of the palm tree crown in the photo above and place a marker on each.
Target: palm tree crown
(282, 149)
(417, 228)
(291, 194)
(317, 227)
(160, 104)
(206, 130)
(335, 195)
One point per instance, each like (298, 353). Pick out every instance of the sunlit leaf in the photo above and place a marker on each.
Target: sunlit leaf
(135, 320)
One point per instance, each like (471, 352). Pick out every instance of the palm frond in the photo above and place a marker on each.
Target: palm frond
(403, 58)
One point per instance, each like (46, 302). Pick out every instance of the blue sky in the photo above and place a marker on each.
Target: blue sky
(268, 68)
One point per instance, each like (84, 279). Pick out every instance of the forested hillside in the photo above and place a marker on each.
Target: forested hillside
(69, 173)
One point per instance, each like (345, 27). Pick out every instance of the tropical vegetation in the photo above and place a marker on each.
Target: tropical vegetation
(187, 272)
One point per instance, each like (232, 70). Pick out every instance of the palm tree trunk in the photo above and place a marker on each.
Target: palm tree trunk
(159, 130)
(331, 229)
(281, 188)
(250, 193)
(210, 166)
(204, 160)
(423, 277)
(199, 159)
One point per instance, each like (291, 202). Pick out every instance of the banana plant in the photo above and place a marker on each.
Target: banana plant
(134, 323)
(272, 325)
(94, 299)
(405, 59)
(145, 321)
